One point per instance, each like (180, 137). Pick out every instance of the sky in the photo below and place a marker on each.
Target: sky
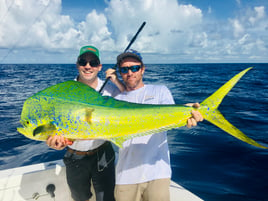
(176, 31)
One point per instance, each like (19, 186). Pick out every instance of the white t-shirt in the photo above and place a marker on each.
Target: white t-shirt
(145, 158)
(85, 145)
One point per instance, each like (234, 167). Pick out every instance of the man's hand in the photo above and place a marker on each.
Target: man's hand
(58, 142)
(196, 115)
(111, 73)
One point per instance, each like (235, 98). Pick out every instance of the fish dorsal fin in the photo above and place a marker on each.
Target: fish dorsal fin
(78, 92)
(72, 91)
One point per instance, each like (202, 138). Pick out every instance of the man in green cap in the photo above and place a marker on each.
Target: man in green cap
(89, 160)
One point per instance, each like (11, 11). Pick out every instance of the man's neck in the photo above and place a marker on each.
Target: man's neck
(134, 88)
(92, 83)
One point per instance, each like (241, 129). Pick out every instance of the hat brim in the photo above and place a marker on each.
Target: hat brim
(86, 54)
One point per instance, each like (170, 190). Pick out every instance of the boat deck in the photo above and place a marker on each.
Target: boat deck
(33, 182)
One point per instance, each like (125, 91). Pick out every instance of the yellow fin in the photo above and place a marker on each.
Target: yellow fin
(88, 115)
(218, 119)
(208, 109)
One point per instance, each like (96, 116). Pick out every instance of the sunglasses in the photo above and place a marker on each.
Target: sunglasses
(92, 63)
(133, 69)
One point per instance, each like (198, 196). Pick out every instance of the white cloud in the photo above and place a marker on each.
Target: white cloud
(38, 24)
(258, 15)
(238, 27)
(238, 2)
(243, 39)
(250, 39)
(175, 30)
(209, 10)
(94, 30)
(168, 28)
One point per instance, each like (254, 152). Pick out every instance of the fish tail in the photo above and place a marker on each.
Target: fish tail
(208, 109)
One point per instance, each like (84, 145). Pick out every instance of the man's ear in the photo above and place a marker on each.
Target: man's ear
(100, 67)
(142, 69)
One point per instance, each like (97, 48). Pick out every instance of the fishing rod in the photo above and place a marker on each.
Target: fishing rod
(130, 43)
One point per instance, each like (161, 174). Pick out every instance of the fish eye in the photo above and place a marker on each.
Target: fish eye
(25, 123)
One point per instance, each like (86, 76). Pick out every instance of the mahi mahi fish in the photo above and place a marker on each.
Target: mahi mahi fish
(76, 111)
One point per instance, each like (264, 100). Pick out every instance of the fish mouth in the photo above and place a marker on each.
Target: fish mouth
(44, 128)
(22, 131)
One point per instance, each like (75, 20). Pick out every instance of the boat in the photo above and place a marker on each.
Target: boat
(47, 182)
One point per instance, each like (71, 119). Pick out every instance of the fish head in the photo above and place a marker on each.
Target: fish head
(37, 130)
(35, 120)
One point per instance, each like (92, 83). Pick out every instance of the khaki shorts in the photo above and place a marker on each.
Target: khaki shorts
(156, 190)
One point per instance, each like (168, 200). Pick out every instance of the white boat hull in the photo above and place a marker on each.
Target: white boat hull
(30, 183)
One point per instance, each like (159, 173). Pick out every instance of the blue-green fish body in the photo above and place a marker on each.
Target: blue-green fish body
(77, 111)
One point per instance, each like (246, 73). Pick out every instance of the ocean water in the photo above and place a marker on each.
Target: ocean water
(205, 159)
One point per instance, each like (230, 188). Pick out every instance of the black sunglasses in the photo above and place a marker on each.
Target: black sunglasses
(125, 69)
(92, 63)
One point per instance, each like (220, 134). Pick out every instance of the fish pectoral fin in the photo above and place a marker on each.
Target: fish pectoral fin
(44, 128)
(88, 115)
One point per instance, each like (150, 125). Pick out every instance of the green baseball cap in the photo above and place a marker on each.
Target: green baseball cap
(90, 49)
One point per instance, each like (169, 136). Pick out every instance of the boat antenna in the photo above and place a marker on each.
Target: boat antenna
(130, 43)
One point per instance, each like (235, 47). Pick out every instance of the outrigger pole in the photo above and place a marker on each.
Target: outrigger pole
(130, 43)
